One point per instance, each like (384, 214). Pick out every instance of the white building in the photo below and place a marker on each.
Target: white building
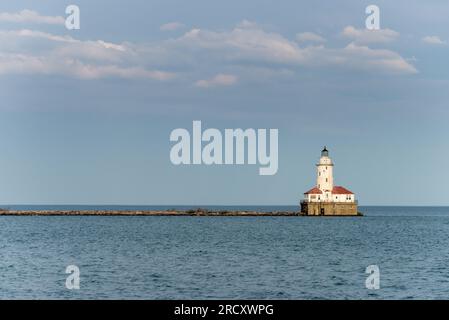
(325, 190)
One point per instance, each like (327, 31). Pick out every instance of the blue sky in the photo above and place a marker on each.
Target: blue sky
(85, 115)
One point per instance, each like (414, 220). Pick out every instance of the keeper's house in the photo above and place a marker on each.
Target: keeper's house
(326, 199)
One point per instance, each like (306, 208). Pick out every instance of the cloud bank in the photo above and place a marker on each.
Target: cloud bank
(245, 47)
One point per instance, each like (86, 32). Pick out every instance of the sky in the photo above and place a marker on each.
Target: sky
(86, 115)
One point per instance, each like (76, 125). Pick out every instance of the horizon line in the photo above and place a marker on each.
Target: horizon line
(212, 205)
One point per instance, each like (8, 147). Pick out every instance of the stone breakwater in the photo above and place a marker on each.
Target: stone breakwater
(196, 212)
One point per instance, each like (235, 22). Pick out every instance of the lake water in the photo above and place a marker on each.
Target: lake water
(228, 257)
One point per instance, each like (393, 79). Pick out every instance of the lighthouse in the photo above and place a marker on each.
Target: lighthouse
(324, 174)
(326, 199)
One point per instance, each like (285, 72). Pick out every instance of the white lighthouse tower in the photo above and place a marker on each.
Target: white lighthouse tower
(325, 177)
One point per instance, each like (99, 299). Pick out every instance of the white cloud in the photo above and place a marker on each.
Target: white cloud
(65, 46)
(28, 64)
(433, 40)
(255, 46)
(218, 80)
(99, 51)
(15, 34)
(242, 43)
(381, 60)
(85, 71)
(365, 36)
(57, 38)
(35, 52)
(29, 16)
(244, 48)
(309, 37)
(171, 26)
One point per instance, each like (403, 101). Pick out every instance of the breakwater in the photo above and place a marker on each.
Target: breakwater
(169, 212)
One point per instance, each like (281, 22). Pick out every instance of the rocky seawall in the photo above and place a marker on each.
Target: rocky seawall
(196, 212)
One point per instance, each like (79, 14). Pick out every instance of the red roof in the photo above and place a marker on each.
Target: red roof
(314, 191)
(341, 190)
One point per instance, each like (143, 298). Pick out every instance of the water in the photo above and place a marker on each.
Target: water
(228, 257)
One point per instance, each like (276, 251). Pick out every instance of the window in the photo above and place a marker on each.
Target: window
(326, 179)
